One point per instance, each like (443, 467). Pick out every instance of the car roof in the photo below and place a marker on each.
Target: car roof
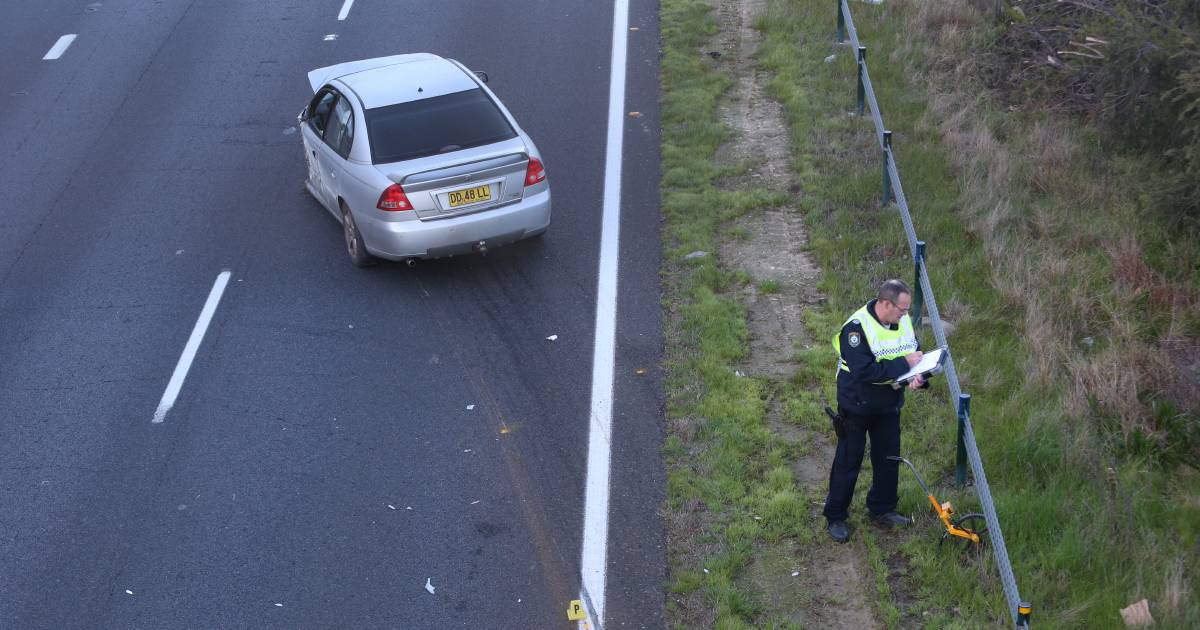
(396, 79)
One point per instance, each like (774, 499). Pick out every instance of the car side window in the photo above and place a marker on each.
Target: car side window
(339, 133)
(319, 109)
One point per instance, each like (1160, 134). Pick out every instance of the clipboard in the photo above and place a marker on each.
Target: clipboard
(930, 365)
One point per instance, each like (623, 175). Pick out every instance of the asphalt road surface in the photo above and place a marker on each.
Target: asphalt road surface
(344, 437)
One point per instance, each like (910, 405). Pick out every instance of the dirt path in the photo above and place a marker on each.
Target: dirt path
(770, 246)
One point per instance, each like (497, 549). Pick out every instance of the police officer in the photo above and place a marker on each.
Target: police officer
(875, 346)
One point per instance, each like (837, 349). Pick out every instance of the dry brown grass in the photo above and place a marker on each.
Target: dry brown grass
(1176, 592)
(1182, 354)
(1043, 361)
(688, 522)
(1064, 297)
(1051, 153)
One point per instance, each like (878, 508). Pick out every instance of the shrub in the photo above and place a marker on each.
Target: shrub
(1132, 66)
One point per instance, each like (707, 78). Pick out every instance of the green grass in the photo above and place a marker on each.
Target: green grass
(731, 494)
(1097, 493)
(769, 286)
(888, 612)
(1084, 542)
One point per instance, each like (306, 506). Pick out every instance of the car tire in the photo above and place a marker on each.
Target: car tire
(355, 246)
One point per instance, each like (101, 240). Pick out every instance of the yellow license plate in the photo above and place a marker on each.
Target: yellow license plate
(470, 195)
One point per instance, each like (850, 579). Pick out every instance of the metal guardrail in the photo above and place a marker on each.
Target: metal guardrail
(967, 449)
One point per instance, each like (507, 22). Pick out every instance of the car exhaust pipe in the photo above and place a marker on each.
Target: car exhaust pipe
(411, 262)
(481, 248)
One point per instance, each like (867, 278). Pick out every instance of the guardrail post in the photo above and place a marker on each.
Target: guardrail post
(862, 67)
(887, 179)
(960, 466)
(1024, 610)
(918, 297)
(841, 27)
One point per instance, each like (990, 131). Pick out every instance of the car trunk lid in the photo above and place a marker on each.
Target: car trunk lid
(479, 180)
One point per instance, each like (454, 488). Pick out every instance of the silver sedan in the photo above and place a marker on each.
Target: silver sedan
(417, 158)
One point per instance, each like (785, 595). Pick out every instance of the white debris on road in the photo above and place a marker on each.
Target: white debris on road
(429, 586)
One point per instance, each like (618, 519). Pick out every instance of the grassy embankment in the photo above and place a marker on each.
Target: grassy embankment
(725, 466)
(1047, 261)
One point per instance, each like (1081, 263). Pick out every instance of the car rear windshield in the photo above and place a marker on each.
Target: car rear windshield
(435, 125)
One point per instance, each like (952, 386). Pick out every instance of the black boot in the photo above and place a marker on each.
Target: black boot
(838, 531)
(893, 519)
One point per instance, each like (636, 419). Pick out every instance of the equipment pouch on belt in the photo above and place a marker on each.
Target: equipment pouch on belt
(839, 422)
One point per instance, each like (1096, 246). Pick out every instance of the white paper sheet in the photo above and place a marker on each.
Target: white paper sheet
(931, 362)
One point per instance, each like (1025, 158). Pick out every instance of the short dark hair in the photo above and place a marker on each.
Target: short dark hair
(890, 290)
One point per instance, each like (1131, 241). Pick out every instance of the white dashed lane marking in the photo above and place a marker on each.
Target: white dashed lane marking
(189, 350)
(60, 47)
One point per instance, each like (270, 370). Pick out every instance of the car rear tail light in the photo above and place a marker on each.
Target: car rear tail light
(535, 172)
(393, 199)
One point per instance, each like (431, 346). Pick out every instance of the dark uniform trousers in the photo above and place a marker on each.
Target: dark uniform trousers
(884, 429)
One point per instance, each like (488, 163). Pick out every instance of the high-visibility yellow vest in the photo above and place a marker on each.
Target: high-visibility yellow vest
(884, 342)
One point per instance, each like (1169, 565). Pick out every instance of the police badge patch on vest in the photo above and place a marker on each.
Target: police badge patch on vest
(854, 339)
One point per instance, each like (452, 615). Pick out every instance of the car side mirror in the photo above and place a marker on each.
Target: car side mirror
(482, 76)
(303, 116)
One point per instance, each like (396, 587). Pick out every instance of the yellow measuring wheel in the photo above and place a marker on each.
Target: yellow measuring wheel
(968, 528)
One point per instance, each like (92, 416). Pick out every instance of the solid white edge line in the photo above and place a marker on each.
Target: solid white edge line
(193, 344)
(345, 9)
(60, 47)
(595, 510)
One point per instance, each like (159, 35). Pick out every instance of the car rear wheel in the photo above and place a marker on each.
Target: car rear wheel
(354, 242)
